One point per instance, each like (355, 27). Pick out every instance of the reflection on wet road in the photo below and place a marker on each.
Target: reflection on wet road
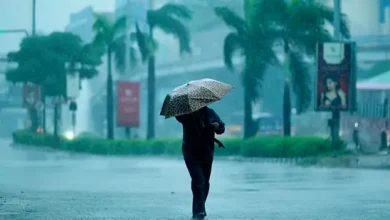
(39, 184)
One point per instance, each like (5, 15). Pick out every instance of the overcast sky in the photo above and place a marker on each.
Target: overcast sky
(54, 15)
(51, 15)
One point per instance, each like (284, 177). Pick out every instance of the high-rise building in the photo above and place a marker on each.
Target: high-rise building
(135, 9)
(15, 14)
(367, 17)
(383, 4)
(81, 23)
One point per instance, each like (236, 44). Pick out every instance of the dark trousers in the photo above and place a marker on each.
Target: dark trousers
(200, 171)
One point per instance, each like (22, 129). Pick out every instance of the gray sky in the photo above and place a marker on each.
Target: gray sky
(51, 15)
(54, 15)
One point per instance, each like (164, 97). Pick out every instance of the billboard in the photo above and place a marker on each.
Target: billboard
(128, 104)
(336, 78)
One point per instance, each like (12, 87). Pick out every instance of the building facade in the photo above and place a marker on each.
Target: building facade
(81, 23)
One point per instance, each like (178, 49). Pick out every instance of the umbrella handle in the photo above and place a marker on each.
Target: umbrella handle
(220, 144)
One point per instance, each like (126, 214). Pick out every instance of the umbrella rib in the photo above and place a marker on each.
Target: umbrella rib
(211, 92)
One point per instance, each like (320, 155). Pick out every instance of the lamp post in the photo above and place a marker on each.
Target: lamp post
(337, 19)
(335, 120)
(72, 68)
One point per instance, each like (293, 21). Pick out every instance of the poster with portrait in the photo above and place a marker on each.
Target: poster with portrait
(335, 86)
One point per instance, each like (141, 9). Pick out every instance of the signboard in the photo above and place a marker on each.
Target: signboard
(335, 87)
(31, 95)
(128, 104)
(72, 85)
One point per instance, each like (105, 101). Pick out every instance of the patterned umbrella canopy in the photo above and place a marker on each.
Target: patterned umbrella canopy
(193, 96)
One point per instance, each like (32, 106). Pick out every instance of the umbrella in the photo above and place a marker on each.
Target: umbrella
(193, 96)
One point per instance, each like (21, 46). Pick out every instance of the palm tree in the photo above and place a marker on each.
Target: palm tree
(298, 27)
(255, 42)
(301, 25)
(169, 18)
(109, 35)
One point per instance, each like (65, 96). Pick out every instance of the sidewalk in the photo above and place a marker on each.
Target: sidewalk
(374, 161)
(350, 161)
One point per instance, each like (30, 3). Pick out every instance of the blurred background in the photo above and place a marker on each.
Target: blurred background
(369, 26)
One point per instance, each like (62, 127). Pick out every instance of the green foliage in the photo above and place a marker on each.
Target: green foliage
(169, 18)
(299, 25)
(265, 146)
(31, 67)
(41, 60)
(302, 24)
(279, 146)
(109, 37)
(254, 42)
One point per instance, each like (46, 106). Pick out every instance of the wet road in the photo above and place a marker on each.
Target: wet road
(40, 185)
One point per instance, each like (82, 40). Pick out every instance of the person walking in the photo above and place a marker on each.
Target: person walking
(199, 129)
(188, 104)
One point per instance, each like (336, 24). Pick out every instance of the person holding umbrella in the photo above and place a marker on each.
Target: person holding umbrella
(188, 103)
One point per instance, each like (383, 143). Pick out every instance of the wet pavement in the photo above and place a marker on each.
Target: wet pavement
(50, 185)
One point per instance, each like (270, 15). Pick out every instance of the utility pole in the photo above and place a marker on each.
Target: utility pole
(335, 121)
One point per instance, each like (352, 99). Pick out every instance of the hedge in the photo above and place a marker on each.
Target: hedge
(262, 146)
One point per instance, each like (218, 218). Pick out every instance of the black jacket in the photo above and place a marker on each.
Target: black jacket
(199, 134)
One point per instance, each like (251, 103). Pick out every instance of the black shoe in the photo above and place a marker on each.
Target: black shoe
(199, 216)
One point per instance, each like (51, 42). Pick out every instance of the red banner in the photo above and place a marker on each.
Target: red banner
(128, 104)
(31, 95)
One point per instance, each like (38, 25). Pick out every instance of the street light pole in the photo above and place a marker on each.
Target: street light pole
(127, 49)
(42, 91)
(34, 4)
(72, 69)
(337, 19)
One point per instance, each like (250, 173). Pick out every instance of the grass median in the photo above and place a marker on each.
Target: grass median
(261, 146)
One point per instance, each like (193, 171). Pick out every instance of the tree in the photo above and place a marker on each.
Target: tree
(48, 69)
(109, 37)
(255, 43)
(298, 26)
(169, 18)
(301, 25)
